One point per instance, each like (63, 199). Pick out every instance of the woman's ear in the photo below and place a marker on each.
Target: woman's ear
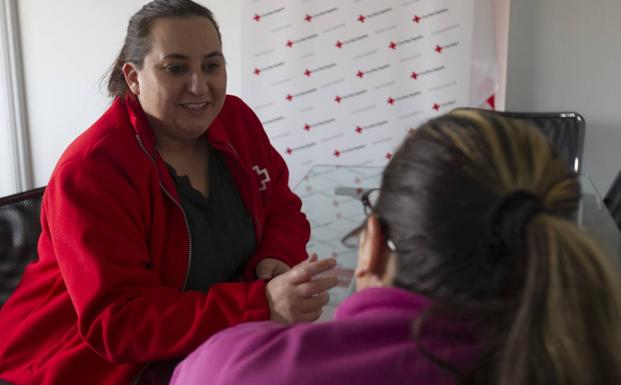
(373, 256)
(131, 77)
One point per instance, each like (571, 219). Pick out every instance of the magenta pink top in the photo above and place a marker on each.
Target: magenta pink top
(370, 341)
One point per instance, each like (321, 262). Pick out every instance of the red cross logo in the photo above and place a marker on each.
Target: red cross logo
(436, 106)
(360, 74)
(391, 101)
(492, 101)
(359, 130)
(307, 127)
(289, 151)
(307, 73)
(265, 177)
(392, 45)
(308, 18)
(257, 17)
(416, 19)
(338, 44)
(338, 99)
(414, 75)
(289, 97)
(438, 49)
(361, 18)
(289, 43)
(337, 153)
(388, 156)
(257, 71)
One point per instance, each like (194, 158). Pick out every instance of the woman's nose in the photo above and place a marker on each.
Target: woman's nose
(198, 83)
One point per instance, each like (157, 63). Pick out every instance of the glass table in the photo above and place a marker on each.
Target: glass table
(331, 201)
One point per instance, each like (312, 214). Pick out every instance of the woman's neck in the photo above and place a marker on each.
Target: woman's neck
(183, 156)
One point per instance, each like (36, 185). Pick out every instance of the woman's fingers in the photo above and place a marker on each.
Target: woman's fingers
(299, 294)
(264, 272)
(281, 268)
(270, 267)
(316, 286)
(306, 270)
(312, 304)
(310, 317)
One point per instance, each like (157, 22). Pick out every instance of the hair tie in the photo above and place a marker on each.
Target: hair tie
(509, 216)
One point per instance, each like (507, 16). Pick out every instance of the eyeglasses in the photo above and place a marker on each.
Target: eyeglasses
(369, 199)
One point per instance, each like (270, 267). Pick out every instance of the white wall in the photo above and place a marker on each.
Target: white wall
(67, 47)
(563, 55)
(501, 25)
(566, 55)
(7, 166)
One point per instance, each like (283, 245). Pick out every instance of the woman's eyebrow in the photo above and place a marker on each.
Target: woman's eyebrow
(215, 54)
(175, 56)
(211, 55)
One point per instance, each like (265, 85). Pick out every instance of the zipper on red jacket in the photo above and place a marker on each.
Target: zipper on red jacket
(136, 379)
(187, 226)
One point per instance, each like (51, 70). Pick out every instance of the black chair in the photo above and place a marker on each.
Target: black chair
(565, 130)
(20, 228)
(612, 200)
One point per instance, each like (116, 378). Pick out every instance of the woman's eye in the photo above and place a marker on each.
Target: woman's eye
(211, 66)
(175, 69)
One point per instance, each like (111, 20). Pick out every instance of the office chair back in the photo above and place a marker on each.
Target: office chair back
(565, 130)
(20, 228)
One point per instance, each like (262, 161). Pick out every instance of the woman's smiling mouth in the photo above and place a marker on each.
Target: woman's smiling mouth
(194, 106)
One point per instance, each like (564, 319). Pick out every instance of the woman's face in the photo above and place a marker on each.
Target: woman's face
(182, 83)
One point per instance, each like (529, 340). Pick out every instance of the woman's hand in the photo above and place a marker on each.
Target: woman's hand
(296, 296)
(270, 267)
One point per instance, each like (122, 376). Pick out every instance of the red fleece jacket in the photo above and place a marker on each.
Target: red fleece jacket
(106, 295)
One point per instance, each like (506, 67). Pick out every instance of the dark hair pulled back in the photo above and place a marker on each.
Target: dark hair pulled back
(481, 210)
(138, 38)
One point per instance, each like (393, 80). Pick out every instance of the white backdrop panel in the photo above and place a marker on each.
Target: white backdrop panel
(343, 82)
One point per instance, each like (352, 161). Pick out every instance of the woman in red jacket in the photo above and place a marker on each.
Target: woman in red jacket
(158, 220)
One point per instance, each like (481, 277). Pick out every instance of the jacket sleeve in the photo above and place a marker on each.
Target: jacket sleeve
(256, 353)
(286, 230)
(124, 312)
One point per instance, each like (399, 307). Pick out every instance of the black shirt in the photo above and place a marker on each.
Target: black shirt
(222, 232)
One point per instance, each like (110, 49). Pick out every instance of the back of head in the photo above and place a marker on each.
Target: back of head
(481, 211)
(138, 41)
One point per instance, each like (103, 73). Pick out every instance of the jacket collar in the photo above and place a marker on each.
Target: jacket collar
(382, 300)
(139, 123)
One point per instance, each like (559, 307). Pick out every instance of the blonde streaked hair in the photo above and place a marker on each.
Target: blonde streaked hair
(551, 298)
